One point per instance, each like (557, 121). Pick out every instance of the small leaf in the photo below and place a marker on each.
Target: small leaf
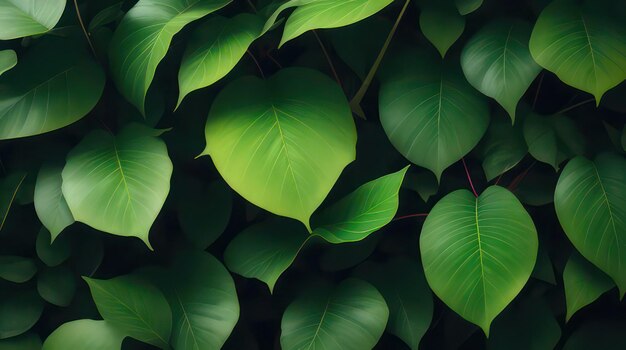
(19, 312)
(281, 143)
(442, 27)
(56, 285)
(584, 48)
(265, 250)
(118, 184)
(497, 62)
(478, 253)
(328, 14)
(137, 308)
(8, 60)
(351, 316)
(502, 148)
(143, 37)
(17, 269)
(214, 49)
(584, 283)
(52, 253)
(85, 335)
(50, 204)
(590, 202)
(367, 209)
(19, 18)
(468, 6)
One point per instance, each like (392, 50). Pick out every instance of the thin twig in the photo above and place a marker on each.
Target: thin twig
(82, 26)
(355, 103)
(498, 180)
(567, 109)
(537, 92)
(518, 179)
(410, 216)
(269, 55)
(330, 62)
(469, 178)
(256, 62)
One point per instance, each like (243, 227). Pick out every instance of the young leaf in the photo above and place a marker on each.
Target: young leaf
(328, 14)
(118, 184)
(143, 37)
(19, 312)
(584, 283)
(584, 48)
(265, 250)
(17, 269)
(497, 62)
(56, 285)
(367, 209)
(442, 27)
(137, 308)
(55, 84)
(214, 49)
(353, 316)
(282, 143)
(502, 148)
(478, 253)
(19, 18)
(8, 60)
(50, 205)
(85, 335)
(430, 114)
(590, 202)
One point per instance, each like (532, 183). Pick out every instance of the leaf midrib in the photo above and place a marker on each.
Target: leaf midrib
(480, 255)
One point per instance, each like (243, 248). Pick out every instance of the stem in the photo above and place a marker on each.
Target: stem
(82, 26)
(537, 92)
(256, 62)
(252, 6)
(498, 180)
(567, 109)
(355, 103)
(330, 62)
(410, 216)
(269, 55)
(469, 178)
(518, 179)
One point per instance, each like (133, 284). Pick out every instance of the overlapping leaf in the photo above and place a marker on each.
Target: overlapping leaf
(19, 18)
(584, 283)
(50, 204)
(8, 60)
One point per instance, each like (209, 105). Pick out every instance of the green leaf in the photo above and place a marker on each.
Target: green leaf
(281, 143)
(52, 253)
(118, 184)
(367, 209)
(107, 15)
(468, 6)
(143, 38)
(85, 335)
(442, 27)
(55, 84)
(430, 114)
(552, 139)
(328, 14)
(265, 250)
(590, 202)
(497, 62)
(137, 308)
(8, 60)
(351, 316)
(605, 335)
(214, 49)
(56, 285)
(19, 312)
(584, 48)
(204, 302)
(583, 283)
(402, 284)
(19, 18)
(27, 341)
(478, 253)
(16, 268)
(9, 187)
(50, 204)
(502, 148)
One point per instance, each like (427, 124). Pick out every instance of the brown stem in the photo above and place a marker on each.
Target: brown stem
(469, 178)
(330, 62)
(410, 216)
(82, 26)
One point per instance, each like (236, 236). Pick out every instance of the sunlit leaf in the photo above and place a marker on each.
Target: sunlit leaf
(20, 18)
(85, 335)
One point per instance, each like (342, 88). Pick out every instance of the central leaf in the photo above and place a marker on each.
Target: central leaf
(282, 143)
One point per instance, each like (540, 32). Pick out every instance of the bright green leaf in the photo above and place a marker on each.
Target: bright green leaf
(584, 283)
(502, 148)
(85, 335)
(478, 253)
(497, 62)
(367, 209)
(50, 204)
(351, 316)
(56, 285)
(8, 60)
(442, 27)
(19, 312)
(19, 18)
(118, 184)
(143, 37)
(16, 268)
(584, 48)
(590, 202)
(281, 143)
(137, 308)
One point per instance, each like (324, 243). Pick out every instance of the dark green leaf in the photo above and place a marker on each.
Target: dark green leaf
(583, 283)
(16, 268)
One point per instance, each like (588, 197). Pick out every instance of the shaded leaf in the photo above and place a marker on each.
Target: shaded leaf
(19, 312)
(583, 283)
(52, 253)
(442, 27)
(56, 285)
(16, 268)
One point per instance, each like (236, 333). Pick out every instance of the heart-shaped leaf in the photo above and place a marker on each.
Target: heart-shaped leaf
(442, 27)
(136, 307)
(281, 143)
(17, 269)
(55, 84)
(143, 37)
(85, 335)
(351, 316)
(8, 60)
(584, 283)
(367, 209)
(497, 62)
(478, 253)
(583, 47)
(430, 114)
(19, 18)
(118, 184)
(590, 202)
(50, 204)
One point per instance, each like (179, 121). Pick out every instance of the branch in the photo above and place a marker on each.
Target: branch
(82, 26)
